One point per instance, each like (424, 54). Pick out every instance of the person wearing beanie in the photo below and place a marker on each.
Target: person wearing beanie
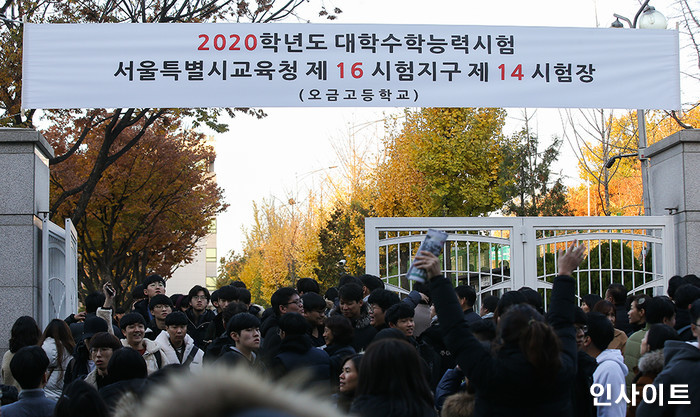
(160, 306)
(134, 328)
(177, 345)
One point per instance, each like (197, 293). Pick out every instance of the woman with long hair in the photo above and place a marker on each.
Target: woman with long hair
(392, 382)
(348, 380)
(532, 372)
(607, 308)
(337, 333)
(25, 332)
(57, 341)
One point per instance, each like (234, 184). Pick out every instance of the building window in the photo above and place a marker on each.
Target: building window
(211, 254)
(211, 283)
(212, 226)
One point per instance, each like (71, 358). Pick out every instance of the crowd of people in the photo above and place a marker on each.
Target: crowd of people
(360, 349)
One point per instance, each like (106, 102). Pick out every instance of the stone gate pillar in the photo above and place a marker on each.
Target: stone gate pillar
(674, 188)
(24, 194)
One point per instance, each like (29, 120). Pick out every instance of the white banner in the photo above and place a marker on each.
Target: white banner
(341, 65)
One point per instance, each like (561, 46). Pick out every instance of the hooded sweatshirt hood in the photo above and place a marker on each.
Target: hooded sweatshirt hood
(612, 356)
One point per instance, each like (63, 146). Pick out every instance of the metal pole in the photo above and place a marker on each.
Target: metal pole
(641, 123)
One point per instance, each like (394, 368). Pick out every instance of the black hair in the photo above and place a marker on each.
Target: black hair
(293, 324)
(238, 284)
(93, 301)
(151, 279)
(104, 340)
(673, 283)
(244, 295)
(28, 366)
(331, 294)
(533, 298)
(618, 292)
(347, 279)
(232, 309)
(484, 330)
(392, 369)
(160, 299)
(507, 300)
(25, 332)
(642, 301)
(579, 316)
(685, 295)
(397, 312)
(242, 321)
(372, 282)
(196, 289)
(490, 302)
(389, 333)
(228, 293)
(350, 292)
(600, 330)
(137, 292)
(214, 296)
(341, 328)
(591, 300)
(523, 326)
(80, 399)
(313, 302)
(131, 318)
(305, 285)
(658, 309)
(281, 297)
(658, 334)
(467, 292)
(383, 298)
(119, 310)
(179, 300)
(126, 364)
(692, 279)
(176, 318)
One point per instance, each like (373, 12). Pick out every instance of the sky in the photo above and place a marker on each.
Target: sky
(291, 149)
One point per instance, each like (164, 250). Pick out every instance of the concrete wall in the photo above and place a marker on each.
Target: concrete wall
(674, 188)
(24, 193)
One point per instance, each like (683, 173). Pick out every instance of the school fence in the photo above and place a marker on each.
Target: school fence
(498, 254)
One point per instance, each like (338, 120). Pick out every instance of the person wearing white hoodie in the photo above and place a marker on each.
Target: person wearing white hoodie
(611, 368)
(134, 328)
(177, 345)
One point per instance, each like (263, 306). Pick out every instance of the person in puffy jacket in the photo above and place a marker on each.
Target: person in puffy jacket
(133, 326)
(57, 341)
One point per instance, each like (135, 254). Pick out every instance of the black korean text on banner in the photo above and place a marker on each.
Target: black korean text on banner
(242, 65)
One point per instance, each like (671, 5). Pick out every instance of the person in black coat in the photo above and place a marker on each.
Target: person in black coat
(198, 317)
(392, 382)
(297, 353)
(338, 335)
(532, 374)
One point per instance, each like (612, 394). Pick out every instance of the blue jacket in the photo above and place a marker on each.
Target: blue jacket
(31, 403)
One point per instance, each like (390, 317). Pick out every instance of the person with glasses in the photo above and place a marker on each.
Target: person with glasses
(315, 314)
(101, 347)
(198, 316)
(160, 307)
(284, 300)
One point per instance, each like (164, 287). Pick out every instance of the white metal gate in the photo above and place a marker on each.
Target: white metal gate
(498, 254)
(59, 271)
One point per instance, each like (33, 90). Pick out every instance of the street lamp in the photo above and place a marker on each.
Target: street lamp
(648, 18)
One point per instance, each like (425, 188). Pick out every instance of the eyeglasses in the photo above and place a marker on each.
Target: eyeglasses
(298, 301)
(200, 297)
(583, 328)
